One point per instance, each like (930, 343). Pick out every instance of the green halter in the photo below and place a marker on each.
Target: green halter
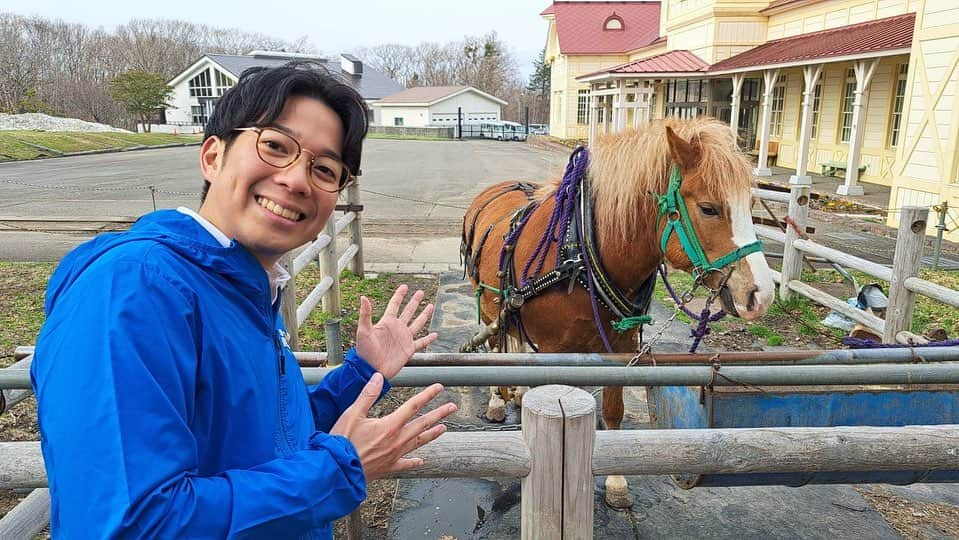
(673, 207)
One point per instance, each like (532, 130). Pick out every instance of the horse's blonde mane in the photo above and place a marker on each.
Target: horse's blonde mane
(626, 167)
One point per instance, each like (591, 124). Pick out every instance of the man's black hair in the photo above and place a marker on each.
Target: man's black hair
(260, 94)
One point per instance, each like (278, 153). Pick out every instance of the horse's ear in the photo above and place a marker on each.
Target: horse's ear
(684, 154)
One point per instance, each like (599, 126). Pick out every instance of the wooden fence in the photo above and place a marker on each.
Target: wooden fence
(559, 451)
(323, 251)
(902, 277)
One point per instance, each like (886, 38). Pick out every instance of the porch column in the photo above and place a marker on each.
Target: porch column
(864, 69)
(811, 76)
(769, 81)
(607, 114)
(621, 101)
(591, 115)
(651, 86)
(738, 79)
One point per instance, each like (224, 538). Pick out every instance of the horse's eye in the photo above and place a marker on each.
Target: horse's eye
(709, 210)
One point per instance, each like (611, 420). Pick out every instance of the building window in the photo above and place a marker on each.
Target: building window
(223, 82)
(816, 103)
(198, 115)
(686, 99)
(776, 112)
(200, 85)
(397, 121)
(898, 98)
(582, 107)
(614, 22)
(848, 101)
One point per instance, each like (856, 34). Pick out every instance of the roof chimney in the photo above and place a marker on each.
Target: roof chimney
(351, 64)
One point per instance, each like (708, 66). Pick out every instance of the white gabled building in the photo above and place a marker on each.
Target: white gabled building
(423, 106)
(197, 89)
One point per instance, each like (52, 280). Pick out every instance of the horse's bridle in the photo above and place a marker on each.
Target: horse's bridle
(672, 206)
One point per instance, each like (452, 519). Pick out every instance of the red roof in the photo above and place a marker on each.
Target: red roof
(679, 61)
(581, 26)
(887, 34)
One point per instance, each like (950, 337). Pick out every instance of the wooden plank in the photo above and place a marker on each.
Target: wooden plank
(344, 220)
(28, 518)
(288, 303)
(541, 513)
(356, 229)
(766, 450)
(312, 299)
(769, 195)
(871, 268)
(835, 304)
(21, 466)
(310, 253)
(496, 454)
(936, 292)
(579, 434)
(905, 264)
(792, 258)
(328, 268)
(345, 259)
(763, 231)
(9, 398)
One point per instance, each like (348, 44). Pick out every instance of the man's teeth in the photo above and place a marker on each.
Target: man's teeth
(277, 209)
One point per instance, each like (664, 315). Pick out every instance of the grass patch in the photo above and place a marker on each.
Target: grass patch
(378, 290)
(23, 287)
(18, 145)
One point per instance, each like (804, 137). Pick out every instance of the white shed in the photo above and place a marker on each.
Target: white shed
(436, 106)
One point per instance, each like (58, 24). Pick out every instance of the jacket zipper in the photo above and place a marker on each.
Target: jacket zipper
(281, 406)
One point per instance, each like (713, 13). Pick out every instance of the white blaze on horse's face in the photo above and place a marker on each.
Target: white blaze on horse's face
(751, 284)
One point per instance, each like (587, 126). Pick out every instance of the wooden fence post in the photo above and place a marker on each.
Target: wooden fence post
(792, 257)
(331, 300)
(288, 303)
(356, 227)
(905, 264)
(28, 518)
(559, 427)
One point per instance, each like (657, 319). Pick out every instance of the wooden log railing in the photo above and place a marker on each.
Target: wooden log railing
(904, 283)
(559, 451)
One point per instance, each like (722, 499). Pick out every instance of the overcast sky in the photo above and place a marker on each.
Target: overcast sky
(331, 26)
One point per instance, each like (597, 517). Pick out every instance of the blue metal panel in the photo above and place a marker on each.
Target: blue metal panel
(810, 409)
(681, 407)
(676, 407)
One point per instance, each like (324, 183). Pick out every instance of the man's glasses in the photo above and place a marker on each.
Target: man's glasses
(281, 150)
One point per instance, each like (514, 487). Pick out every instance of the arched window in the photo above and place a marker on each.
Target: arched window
(613, 22)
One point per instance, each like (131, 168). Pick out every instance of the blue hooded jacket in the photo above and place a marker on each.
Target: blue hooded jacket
(169, 403)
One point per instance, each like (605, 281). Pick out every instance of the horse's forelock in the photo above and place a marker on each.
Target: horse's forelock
(627, 166)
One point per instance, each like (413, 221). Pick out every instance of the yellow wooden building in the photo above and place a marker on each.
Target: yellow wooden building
(865, 89)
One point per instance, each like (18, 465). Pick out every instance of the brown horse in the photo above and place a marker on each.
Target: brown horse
(627, 172)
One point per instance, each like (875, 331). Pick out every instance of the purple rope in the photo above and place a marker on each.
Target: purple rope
(704, 318)
(857, 343)
(566, 195)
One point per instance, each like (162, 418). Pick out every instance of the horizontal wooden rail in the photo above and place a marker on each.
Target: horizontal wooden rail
(836, 304)
(767, 450)
(769, 195)
(346, 257)
(344, 220)
(936, 292)
(873, 269)
(646, 452)
(309, 254)
(771, 233)
(312, 299)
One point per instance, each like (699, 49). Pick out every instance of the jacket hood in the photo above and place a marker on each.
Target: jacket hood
(181, 234)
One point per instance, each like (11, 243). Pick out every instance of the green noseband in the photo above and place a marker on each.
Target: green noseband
(673, 207)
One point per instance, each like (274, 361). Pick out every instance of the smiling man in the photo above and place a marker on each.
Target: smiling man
(169, 403)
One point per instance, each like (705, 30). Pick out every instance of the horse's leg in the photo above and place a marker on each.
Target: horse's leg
(496, 409)
(617, 491)
(516, 392)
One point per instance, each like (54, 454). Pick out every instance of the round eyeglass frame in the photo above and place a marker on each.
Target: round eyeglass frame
(346, 178)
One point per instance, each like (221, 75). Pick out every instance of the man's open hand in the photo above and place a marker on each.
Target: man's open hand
(382, 442)
(390, 343)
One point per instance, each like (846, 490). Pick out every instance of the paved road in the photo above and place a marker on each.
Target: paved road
(425, 184)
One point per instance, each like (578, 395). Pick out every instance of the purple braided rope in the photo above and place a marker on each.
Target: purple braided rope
(566, 195)
(857, 343)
